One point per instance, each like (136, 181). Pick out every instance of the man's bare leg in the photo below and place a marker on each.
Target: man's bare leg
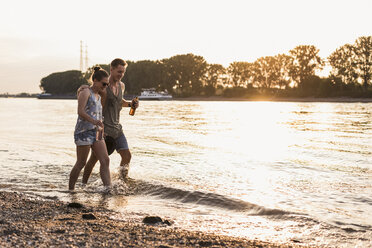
(124, 164)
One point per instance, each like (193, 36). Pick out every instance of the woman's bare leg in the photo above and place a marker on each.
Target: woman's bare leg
(100, 151)
(89, 167)
(82, 155)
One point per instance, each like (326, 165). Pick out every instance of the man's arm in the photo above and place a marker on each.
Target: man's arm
(123, 102)
(129, 103)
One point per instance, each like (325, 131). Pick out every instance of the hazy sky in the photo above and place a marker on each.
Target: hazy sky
(41, 37)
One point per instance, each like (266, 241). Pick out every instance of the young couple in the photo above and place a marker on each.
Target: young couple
(99, 112)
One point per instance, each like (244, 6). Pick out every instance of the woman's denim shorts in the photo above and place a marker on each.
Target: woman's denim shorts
(86, 138)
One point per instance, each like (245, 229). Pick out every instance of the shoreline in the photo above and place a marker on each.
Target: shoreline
(28, 221)
(222, 98)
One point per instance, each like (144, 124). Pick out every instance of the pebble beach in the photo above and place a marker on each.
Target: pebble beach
(28, 221)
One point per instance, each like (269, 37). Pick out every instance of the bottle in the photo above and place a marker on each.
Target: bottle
(132, 108)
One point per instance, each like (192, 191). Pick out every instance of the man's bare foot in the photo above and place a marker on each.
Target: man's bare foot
(123, 172)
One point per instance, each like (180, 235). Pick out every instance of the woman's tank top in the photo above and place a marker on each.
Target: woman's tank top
(94, 110)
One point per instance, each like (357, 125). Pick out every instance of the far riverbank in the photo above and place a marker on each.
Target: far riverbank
(287, 99)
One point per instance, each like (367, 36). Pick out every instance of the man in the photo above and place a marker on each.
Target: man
(113, 101)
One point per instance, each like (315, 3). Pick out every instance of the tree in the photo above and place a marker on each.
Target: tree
(143, 74)
(341, 61)
(353, 63)
(185, 72)
(265, 73)
(282, 66)
(305, 61)
(363, 59)
(240, 73)
(62, 82)
(213, 77)
(272, 72)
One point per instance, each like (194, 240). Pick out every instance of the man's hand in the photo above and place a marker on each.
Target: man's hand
(135, 103)
(81, 88)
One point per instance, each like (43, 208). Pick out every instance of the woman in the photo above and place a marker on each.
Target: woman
(89, 129)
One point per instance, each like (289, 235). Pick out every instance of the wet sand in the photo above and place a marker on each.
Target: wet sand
(35, 222)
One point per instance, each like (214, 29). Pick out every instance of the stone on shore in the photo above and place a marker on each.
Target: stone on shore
(75, 205)
(153, 220)
(89, 216)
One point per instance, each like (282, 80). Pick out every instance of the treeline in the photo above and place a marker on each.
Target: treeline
(282, 75)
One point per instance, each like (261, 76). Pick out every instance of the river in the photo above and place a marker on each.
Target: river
(275, 171)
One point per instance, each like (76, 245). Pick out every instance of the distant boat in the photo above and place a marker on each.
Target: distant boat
(152, 94)
(50, 96)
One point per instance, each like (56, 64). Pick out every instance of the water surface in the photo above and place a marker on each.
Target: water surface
(276, 171)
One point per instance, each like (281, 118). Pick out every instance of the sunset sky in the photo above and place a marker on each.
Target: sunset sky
(40, 37)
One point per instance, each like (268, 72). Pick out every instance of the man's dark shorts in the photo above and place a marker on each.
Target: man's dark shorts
(120, 143)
